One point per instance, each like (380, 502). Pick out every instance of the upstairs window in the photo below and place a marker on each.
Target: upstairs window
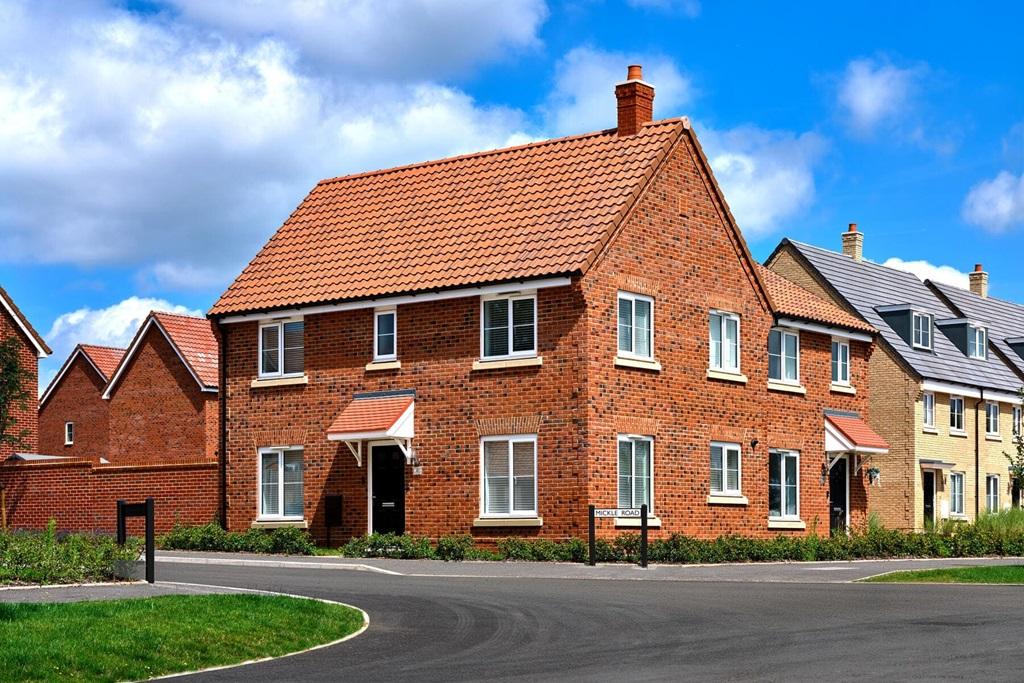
(929, 410)
(922, 331)
(636, 326)
(992, 419)
(725, 469)
(977, 339)
(784, 356)
(956, 414)
(509, 327)
(1016, 421)
(783, 485)
(69, 433)
(385, 335)
(840, 362)
(282, 350)
(635, 472)
(725, 341)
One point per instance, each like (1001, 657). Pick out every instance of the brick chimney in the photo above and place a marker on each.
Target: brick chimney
(635, 102)
(979, 281)
(853, 243)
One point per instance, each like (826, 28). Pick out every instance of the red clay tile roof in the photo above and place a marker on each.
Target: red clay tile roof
(372, 414)
(523, 212)
(7, 302)
(196, 342)
(790, 299)
(105, 358)
(857, 431)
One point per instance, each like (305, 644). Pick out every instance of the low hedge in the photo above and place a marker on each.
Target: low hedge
(285, 541)
(47, 557)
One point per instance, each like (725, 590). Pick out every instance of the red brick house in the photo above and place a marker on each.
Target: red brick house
(488, 343)
(74, 419)
(13, 323)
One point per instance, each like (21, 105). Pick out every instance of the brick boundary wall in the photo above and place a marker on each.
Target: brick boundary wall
(82, 496)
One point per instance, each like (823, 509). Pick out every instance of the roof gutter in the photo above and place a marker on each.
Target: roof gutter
(824, 329)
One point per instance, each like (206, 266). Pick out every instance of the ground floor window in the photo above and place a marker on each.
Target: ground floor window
(783, 485)
(725, 469)
(956, 493)
(992, 493)
(509, 475)
(281, 483)
(635, 472)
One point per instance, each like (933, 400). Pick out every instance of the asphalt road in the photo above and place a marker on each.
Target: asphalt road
(476, 629)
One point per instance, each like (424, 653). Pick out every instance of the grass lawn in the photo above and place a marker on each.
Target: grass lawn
(990, 574)
(117, 640)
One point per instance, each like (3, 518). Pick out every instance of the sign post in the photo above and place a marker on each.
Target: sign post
(617, 513)
(125, 510)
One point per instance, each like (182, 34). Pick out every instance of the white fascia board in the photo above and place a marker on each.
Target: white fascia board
(933, 386)
(381, 302)
(40, 351)
(840, 332)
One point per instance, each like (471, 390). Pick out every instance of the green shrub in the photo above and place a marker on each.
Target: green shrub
(394, 546)
(45, 557)
(211, 537)
(454, 548)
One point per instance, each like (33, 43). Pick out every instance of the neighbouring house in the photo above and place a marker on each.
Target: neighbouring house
(939, 396)
(74, 418)
(13, 323)
(489, 343)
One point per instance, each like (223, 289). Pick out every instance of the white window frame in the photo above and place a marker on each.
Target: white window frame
(512, 513)
(840, 344)
(782, 481)
(928, 409)
(1016, 421)
(991, 419)
(980, 345)
(992, 493)
(784, 332)
(738, 491)
(377, 313)
(279, 324)
(630, 296)
(725, 315)
(961, 428)
(632, 439)
(954, 510)
(930, 328)
(69, 433)
(510, 298)
(280, 451)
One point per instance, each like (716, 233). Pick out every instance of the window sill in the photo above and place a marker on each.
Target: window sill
(635, 522)
(719, 499)
(259, 383)
(788, 388)
(384, 365)
(993, 437)
(508, 521)
(958, 517)
(842, 389)
(506, 363)
(727, 376)
(280, 524)
(958, 433)
(638, 363)
(796, 524)
(929, 430)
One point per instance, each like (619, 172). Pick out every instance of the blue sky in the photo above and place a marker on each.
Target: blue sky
(148, 149)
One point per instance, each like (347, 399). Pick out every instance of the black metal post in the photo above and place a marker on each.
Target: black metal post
(643, 536)
(121, 535)
(150, 543)
(593, 542)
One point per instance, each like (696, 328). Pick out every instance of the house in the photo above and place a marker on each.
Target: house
(32, 347)
(73, 416)
(939, 395)
(490, 343)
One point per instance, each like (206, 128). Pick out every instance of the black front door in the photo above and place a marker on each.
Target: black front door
(388, 490)
(929, 499)
(837, 497)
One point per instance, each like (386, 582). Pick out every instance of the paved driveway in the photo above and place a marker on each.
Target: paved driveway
(430, 628)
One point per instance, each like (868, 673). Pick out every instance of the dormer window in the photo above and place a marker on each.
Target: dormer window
(922, 331)
(977, 341)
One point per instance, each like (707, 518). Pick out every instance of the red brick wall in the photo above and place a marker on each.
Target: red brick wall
(79, 399)
(27, 417)
(158, 413)
(81, 496)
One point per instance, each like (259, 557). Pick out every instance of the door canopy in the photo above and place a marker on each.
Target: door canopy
(376, 416)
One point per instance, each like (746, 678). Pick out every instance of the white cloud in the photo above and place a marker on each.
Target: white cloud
(766, 175)
(584, 94)
(689, 8)
(928, 271)
(997, 205)
(872, 93)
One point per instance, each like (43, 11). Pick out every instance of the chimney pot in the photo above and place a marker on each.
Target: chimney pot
(978, 268)
(635, 73)
(978, 281)
(635, 102)
(853, 243)
(852, 228)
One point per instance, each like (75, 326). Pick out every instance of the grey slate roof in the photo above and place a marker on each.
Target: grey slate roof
(866, 285)
(1004, 319)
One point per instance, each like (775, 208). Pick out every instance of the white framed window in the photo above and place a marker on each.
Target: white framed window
(508, 326)
(956, 414)
(282, 348)
(636, 326)
(636, 472)
(922, 330)
(726, 469)
(1016, 421)
(977, 341)
(956, 493)
(784, 356)
(992, 419)
(280, 483)
(385, 334)
(783, 484)
(69, 433)
(992, 493)
(840, 362)
(725, 341)
(928, 400)
(508, 476)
